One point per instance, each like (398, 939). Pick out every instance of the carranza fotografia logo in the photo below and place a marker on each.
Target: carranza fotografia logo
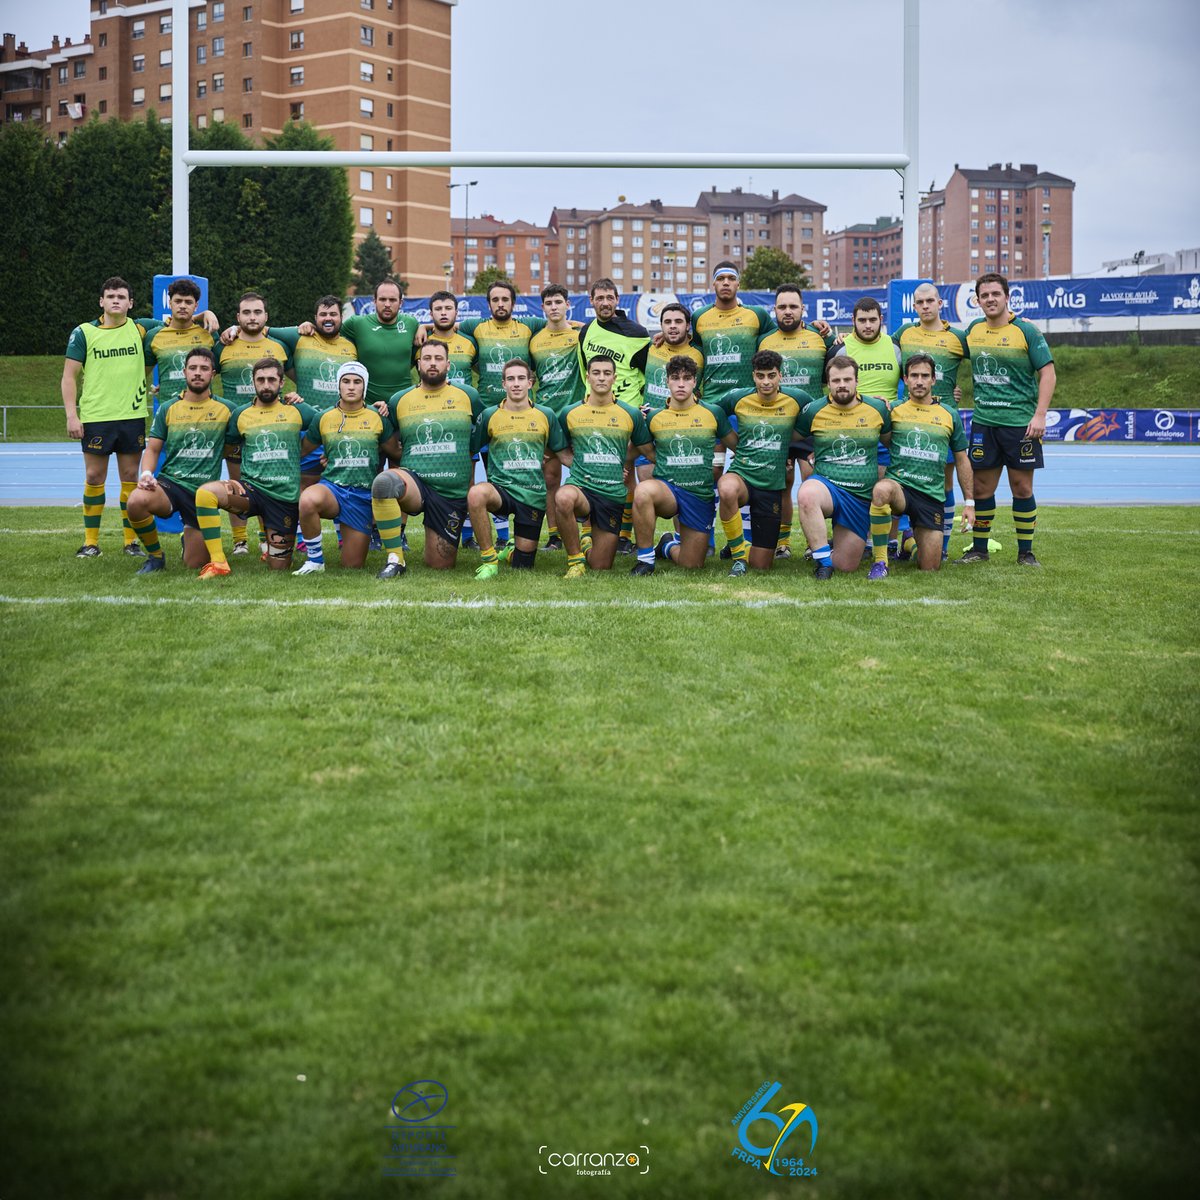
(593, 1162)
(777, 1140)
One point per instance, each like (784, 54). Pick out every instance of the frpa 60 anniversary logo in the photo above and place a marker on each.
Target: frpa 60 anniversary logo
(775, 1139)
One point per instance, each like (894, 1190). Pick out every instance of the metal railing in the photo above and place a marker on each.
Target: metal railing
(22, 408)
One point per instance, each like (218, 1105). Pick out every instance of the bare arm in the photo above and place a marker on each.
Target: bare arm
(70, 396)
(1047, 380)
(146, 480)
(966, 481)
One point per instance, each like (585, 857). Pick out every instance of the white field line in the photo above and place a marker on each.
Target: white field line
(482, 602)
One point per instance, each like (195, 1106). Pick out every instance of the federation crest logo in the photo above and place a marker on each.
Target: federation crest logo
(792, 1132)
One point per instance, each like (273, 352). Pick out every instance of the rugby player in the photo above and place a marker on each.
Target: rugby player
(350, 435)
(168, 346)
(270, 434)
(384, 342)
(435, 423)
(924, 431)
(684, 433)
(1013, 372)
(500, 337)
(191, 428)
(463, 351)
(877, 356)
(521, 436)
(599, 430)
(847, 430)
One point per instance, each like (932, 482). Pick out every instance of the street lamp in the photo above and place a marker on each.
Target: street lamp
(466, 221)
(1047, 225)
(448, 271)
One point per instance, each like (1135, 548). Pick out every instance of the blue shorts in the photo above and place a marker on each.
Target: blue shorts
(885, 456)
(354, 506)
(642, 461)
(694, 513)
(949, 457)
(310, 464)
(849, 511)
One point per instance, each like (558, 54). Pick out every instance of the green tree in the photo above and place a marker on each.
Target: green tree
(372, 264)
(485, 279)
(766, 269)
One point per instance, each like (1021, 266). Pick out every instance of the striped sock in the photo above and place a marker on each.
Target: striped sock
(627, 516)
(93, 509)
(746, 522)
(881, 522)
(646, 555)
(126, 528)
(734, 536)
(575, 560)
(147, 530)
(501, 523)
(823, 555)
(785, 539)
(390, 524)
(315, 549)
(208, 517)
(665, 552)
(947, 521)
(985, 512)
(1025, 519)
(489, 556)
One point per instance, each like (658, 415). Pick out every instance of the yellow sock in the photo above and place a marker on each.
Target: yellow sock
(127, 529)
(93, 509)
(208, 517)
(881, 524)
(733, 535)
(390, 523)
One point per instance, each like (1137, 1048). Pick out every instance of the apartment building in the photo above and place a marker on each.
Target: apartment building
(520, 249)
(739, 222)
(866, 255)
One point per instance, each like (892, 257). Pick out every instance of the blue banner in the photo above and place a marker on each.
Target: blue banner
(1161, 425)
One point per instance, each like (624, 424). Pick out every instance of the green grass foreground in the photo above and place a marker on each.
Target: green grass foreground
(1129, 376)
(602, 868)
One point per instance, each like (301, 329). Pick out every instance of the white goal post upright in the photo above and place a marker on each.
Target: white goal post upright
(186, 159)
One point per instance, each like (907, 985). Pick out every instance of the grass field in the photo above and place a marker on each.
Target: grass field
(601, 858)
(1130, 376)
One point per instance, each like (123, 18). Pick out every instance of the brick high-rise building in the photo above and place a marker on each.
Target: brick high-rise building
(997, 219)
(370, 74)
(518, 248)
(739, 222)
(867, 255)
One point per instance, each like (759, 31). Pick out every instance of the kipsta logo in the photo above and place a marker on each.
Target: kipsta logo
(777, 1153)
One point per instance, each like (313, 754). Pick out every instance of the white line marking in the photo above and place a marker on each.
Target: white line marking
(484, 602)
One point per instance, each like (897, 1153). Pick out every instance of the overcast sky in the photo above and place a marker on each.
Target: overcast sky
(1099, 91)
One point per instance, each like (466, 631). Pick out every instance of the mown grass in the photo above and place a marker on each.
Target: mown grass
(600, 870)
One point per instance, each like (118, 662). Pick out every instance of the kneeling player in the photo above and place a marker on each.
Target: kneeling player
(352, 436)
(684, 434)
(520, 435)
(191, 428)
(922, 429)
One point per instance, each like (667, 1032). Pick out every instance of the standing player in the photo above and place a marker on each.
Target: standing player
(270, 434)
(110, 415)
(443, 315)
(554, 350)
(500, 337)
(600, 431)
(521, 436)
(191, 428)
(351, 436)
(877, 356)
(766, 422)
(436, 425)
(929, 334)
(846, 430)
(727, 332)
(676, 323)
(1013, 372)
(685, 433)
(924, 431)
(167, 347)
(383, 342)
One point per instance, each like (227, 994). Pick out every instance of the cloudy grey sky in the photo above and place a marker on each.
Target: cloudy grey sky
(1096, 90)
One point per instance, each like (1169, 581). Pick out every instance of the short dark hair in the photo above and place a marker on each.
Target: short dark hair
(267, 364)
(326, 301)
(114, 283)
(838, 360)
(991, 277)
(788, 287)
(920, 359)
(184, 287)
(515, 362)
(767, 360)
(680, 364)
(675, 306)
(867, 304)
(603, 285)
(505, 285)
(726, 267)
(201, 352)
(601, 358)
(443, 295)
(384, 282)
(251, 296)
(433, 341)
(555, 289)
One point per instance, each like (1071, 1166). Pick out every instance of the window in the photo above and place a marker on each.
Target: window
(247, 121)
(367, 3)
(366, 181)
(247, 49)
(619, 240)
(618, 256)
(139, 96)
(164, 91)
(202, 88)
(366, 216)
(387, 215)
(104, 108)
(989, 194)
(533, 243)
(62, 71)
(247, 84)
(164, 24)
(139, 64)
(389, 109)
(296, 76)
(62, 108)
(637, 256)
(103, 72)
(295, 6)
(202, 54)
(103, 38)
(296, 39)
(1045, 193)
(618, 223)
(103, 7)
(202, 20)
(248, 12)
(164, 58)
(218, 12)
(366, 141)
(366, 35)
(80, 69)
(571, 233)
(218, 47)
(218, 114)
(138, 30)
(218, 84)
(366, 106)
(296, 111)
(389, 38)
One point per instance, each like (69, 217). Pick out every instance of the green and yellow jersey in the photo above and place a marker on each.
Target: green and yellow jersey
(684, 441)
(315, 362)
(270, 437)
(921, 435)
(600, 436)
(765, 429)
(556, 367)
(193, 434)
(114, 369)
(167, 349)
(945, 345)
(236, 361)
(498, 342)
(846, 441)
(878, 365)
(1004, 368)
(803, 353)
(351, 443)
(462, 352)
(657, 358)
(437, 435)
(517, 444)
(728, 339)
(385, 350)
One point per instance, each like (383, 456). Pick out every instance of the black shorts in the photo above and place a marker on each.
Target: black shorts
(923, 511)
(766, 514)
(527, 520)
(1004, 446)
(182, 501)
(443, 517)
(279, 515)
(114, 437)
(604, 514)
(801, 449)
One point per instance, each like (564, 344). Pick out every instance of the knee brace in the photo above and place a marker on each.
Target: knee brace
(522, 560)
(387, 485)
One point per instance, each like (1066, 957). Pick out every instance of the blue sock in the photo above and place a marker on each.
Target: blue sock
(501, 523)
(315, 549)
(904, 525)
(947, 521)
(665, 552)
(467, 532)
(746, 523)
(823, 555)
(646, 556)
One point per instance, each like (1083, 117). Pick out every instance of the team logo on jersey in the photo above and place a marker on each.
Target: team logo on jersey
(268, 447)
(988, 370)
(349, 452)
(192, 445)
(763, 437)
(520, 455)
(919, 445)
(432, 438)
(724, 350)
(497, 355)
(682, 452)
(325, 379)
(846, 452)
(598, 453)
